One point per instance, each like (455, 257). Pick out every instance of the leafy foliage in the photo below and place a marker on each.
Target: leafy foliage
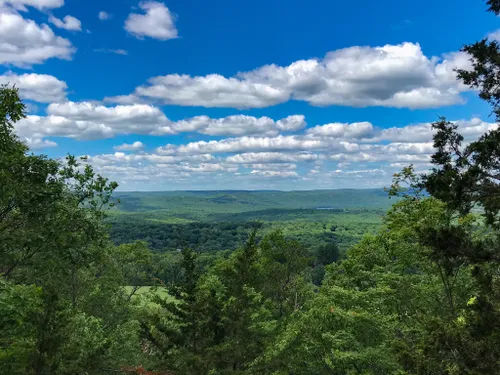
(62, 303)
(419, 295)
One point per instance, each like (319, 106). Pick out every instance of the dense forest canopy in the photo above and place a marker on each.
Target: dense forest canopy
(420, 295)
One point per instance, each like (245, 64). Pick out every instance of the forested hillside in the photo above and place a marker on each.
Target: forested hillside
(418, 295)
(220, 220)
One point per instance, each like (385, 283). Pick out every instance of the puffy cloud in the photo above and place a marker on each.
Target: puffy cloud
(407, 148)
(145, 167)
(343, 156)
(136, 146)
(23, 42)
(259, 144)
(38, 144)
(103, 16)
(237, 125)
(474, 128)
(41, 88)
(68, 23)
(157, 22)
(357, 130)
(356, 158)
(243, 144)
(121, 119)
(86, 120)
(271, 173)
(470, 129)
(411, 133)
(209, 91)
(292, 123)
(232, 125)
(360, 172)
(206, 168)
(39, 4)
(139, 159)
(273, 167)
(494, 36)
(391, 76)
(244, 162)
(271, 157)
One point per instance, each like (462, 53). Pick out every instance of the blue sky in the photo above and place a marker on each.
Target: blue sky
(242, 94)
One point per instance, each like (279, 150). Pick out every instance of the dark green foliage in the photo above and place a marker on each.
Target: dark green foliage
(199, 236)
(327, 254)
(62, 305)
(283, 265)
(466, 176)
(313, 228)
(318, 274)
(464, 339)
(223, 318)
(494, 6)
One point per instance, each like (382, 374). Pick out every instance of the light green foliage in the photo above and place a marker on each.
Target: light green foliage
(334, 335)
(147, 294)
(373, 309)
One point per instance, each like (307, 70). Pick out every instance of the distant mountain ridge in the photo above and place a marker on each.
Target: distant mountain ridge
(237, 201)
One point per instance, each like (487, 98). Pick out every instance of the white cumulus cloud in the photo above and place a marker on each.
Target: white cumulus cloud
(39, 4)
(244, 144)
(38, 144)
(272, 173)
(40, 88)
(156, 22)
(271, 157)
(86, 120)
(357, 130)
(398, 76)
(342, 156)
(136, 146)
(292, 123)
(237, 125)
(68, 23)
(23, 42)
(210, 91)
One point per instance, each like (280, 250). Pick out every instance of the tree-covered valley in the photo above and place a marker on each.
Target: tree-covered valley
(397, 281)
(221, 220)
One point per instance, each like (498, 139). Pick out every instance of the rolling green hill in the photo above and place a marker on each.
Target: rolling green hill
(220, 220)
(213, 202)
